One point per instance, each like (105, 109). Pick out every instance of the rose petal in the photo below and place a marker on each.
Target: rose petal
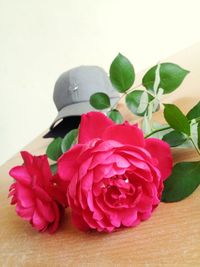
(145, 204)
(54, 226)
(67, 162)
(46, 210)
(27, 157)
(20, 174)
(87, 181)
(41, 193)
(25, 213)
(90, 201)
(145, 216)
(38, 221)
(120, 161)
(100, 157)
(82, 198)
(85, 166)
(103, 146)
(73, 186)
(45, 169)
(88, 218)
(129, 217)
(92, 125)
(24, 196)
(115, 219)
(160, 151)
(124, 134)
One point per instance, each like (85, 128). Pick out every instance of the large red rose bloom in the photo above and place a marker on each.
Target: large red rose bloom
(115, 176)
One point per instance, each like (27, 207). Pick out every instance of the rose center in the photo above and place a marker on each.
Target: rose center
(120, 192)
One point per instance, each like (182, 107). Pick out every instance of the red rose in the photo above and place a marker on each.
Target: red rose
(115, 176)
(32, 193)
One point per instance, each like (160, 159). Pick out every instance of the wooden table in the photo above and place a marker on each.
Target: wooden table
(171, 237)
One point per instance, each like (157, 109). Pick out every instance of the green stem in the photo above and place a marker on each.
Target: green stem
(115, 105)
(158, 130)
(197, 149)
(168, 127)
(133, 88)
(196, 120)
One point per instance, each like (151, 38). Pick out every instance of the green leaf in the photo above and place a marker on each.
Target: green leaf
(157, 100)
(115, 116)
(122, 74)
(194, 112)
(184, 179)
(171, 77)
(192, 115)
(144, 101)
(174, 138)
(54, 149)
(146, 125)
(133, 101)
(53, 168)
(100, 101)
(157, 79)
(68, 140)
(176, 119)
(194, 136)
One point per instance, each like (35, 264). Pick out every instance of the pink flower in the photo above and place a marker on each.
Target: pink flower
(32, 193)
(115, 176)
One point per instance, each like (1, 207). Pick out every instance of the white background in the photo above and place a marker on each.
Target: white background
(39, 39)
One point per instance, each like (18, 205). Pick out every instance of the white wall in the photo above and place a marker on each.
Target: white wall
(39, 39)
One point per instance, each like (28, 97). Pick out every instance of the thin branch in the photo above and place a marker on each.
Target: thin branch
(197, 149)
(158, 130)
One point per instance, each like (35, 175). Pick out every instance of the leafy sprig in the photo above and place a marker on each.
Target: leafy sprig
(144, 100)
